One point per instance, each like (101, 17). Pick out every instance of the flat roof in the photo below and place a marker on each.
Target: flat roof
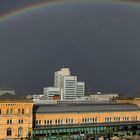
(66, 108)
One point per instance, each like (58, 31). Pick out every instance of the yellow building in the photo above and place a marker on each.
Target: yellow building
(15, 119)
(92, 119)
(22, 119)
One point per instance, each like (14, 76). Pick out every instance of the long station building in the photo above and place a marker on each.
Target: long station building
(24, 119)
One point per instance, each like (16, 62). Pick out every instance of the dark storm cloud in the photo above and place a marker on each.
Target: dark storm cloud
(99, 42)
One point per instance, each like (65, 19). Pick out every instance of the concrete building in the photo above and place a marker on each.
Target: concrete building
(70, 88)
(35, 97)
(59, 74)
(80, 91)
(50, 92)
(103, 97)
(12, 92)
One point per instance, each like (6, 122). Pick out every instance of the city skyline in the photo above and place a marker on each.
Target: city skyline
(69, 69)
(78, 35)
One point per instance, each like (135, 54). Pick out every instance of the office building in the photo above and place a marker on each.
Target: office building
(69, 87)
(59, 74)
(50, 92)
(80, 89)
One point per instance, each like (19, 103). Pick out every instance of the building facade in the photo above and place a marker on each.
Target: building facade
(16, 119)
(101, 97)
(26, 120)
(70, 88)
(12, 92)
(59, 74)
(90, 120)
(80, 89)
(50, 92)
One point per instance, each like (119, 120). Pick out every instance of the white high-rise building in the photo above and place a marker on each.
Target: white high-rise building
(50, 92)
(68, 87)
(59, 74)
(80, 91)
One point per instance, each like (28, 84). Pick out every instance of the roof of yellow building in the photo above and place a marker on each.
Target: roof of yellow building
(63, 108)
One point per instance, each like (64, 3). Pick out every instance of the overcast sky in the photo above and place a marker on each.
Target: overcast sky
(99, 42)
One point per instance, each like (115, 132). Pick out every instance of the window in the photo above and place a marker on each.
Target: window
(117, 119)
(134, 118)
(96, 119)
(9, 111)
(47, 122)
(22, 111)
(69, 121)
(20, 121)
(9, 121)
(9, 132)
(56, 121)
(38, 122)
(107, 119)
(61, 121)
(20, 132)
(19, 111)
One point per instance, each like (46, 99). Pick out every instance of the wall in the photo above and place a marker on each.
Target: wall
(99, 117)
(20, 115)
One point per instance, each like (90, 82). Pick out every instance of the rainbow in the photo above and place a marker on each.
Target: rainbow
(36, 6)
(28, 8)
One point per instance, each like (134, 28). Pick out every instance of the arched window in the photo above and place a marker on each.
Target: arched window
(9, 131)
(20, 132)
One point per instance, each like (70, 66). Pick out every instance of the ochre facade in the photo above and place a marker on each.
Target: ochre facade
(83, 118)
(16, 119)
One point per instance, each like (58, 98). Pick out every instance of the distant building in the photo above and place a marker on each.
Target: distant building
(56, 97)
(12, 92)
(35, 97)
(50, 92)
(7, 94)
(80, 89)
(69, 87)
(102, 97)
(59, 74)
